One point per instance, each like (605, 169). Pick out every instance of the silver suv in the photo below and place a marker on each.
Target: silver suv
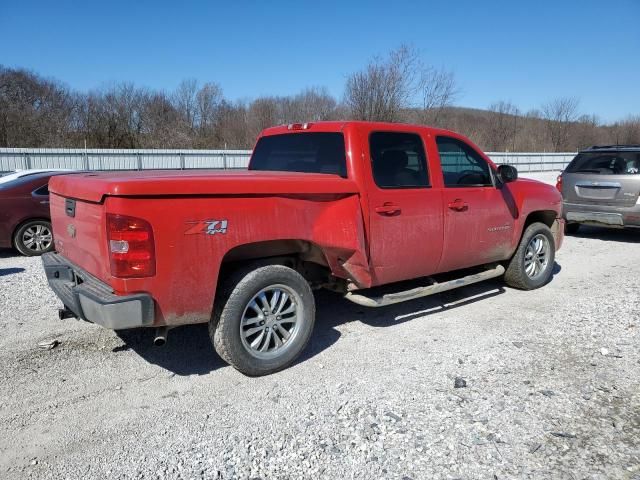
(601, 186)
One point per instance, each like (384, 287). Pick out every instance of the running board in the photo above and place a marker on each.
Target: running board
(391, 298)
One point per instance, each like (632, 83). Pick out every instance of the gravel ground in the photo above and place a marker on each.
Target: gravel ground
(552, 386)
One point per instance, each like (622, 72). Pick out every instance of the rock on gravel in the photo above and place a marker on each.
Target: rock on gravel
(107, 405)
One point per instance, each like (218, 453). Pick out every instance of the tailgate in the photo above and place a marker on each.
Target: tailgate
(80, 233)
(614, 190)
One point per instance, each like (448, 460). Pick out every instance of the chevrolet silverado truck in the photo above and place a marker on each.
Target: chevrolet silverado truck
(348, 206)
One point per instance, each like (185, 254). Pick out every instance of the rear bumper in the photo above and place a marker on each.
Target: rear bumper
(604, 215)
(94, 301)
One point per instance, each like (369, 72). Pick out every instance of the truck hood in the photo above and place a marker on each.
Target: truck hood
(94, 186)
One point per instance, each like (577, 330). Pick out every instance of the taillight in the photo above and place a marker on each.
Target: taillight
(559, 183)
(131, 247)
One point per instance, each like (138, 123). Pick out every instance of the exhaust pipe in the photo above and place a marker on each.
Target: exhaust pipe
(161, 336)
(65, 313)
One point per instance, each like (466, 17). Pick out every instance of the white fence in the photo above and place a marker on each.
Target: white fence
(109, 159)
(534, 162)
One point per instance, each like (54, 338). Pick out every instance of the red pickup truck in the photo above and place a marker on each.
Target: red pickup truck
(341, 205)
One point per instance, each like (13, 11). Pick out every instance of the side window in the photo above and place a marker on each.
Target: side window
(42, 190)
(398, 160)
(461, 165)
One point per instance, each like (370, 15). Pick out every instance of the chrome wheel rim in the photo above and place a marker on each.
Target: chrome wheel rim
(536, 257)
(37, 238)
(271, 321)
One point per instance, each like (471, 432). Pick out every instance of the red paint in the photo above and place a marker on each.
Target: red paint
(368, 235)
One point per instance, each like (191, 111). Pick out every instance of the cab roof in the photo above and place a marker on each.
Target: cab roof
(340, 125)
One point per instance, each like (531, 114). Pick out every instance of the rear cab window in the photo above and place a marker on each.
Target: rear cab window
(398, 160)
(461, 165)
(311, 152)
(605, 163)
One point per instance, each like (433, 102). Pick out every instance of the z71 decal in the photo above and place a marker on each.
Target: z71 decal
(207, 227)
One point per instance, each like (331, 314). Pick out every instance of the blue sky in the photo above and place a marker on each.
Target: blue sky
(525, 52)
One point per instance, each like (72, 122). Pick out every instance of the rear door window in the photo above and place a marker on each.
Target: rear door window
(398, 160)
(606, 163)
(312, 152)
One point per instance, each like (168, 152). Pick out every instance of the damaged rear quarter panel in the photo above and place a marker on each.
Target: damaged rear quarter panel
(187, 265)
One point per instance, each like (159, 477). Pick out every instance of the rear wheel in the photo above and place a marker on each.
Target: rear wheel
(34, 238)
(532, 264)
(263, 319)
(571, 228)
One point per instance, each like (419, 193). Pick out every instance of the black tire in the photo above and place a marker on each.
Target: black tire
(30, 243)
(571, 228)
(233, 301)
(516, 275)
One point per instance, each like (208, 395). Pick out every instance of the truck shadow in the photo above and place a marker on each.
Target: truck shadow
(334, 311)
(10, 271)
(188, 350)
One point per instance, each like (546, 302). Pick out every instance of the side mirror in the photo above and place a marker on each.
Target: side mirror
(507, 173)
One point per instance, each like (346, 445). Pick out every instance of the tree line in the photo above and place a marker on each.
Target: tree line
(399, 87)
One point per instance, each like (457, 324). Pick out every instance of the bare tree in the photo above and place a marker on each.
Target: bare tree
(313, 104)
(115, 117)
(627, 131)
(384, 87)
(586, 132)
(208, 101)
(388, 88)
(559, 115)
(41, 112)
(232, 129)
(502, 126)
(34, 111)
(263, 113)
(438, 90)
(184, 100)
(162, 125)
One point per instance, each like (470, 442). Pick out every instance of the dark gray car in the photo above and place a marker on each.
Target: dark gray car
(601, 186)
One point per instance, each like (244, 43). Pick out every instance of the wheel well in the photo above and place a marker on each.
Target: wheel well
(543, 216)
(303, 256)
(19, 226)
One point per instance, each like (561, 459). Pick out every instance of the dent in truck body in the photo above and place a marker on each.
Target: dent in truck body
(186, 279)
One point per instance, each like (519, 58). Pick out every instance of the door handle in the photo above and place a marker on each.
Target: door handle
(458, 205)
(44, 202)
(388, 209)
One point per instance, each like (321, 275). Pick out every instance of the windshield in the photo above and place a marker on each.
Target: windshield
(320, 152)
(606, 163)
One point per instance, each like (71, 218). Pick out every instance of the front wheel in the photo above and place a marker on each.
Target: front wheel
(263, 320)
(34, 237)
(532, 264)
